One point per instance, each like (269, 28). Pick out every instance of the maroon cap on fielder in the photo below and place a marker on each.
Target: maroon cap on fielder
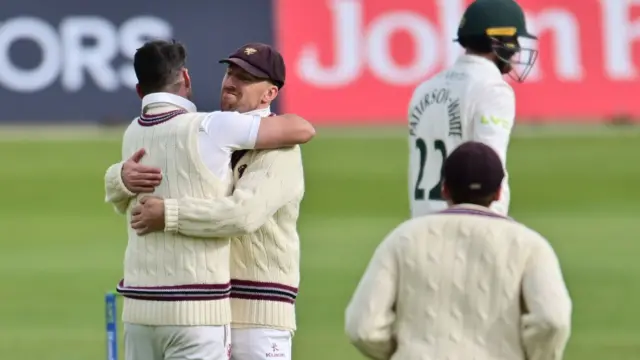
(473, 168)
(261, 61)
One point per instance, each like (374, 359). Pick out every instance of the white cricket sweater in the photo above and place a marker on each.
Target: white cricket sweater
(470, 101)
(462, 284)
(265, 254)
(172, 278)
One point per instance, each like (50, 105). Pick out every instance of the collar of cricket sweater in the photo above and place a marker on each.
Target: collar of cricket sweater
(262, 112)
(465, 59)
(472, 209)
(168, 98)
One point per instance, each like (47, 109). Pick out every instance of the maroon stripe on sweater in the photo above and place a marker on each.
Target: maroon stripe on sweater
(187, 287)
(175, 298)
(266, 291)
(264, 285)
(155, 119)
(176, 293)
(463, 211)
(259, 297)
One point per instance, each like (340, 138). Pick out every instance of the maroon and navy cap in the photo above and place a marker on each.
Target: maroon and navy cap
(261, 61)
(473, 168)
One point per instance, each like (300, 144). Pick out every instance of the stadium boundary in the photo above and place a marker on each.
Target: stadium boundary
(66, 133)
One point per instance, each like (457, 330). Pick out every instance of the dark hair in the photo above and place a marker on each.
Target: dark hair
(158, 64)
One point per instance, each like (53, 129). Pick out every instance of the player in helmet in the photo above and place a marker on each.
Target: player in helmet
(493, 27)
(469, 101)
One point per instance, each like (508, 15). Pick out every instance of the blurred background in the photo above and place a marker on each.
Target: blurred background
(67, 90)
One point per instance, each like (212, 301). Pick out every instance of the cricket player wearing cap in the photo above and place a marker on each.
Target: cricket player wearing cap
(177, 283)
(260, 215)
(465, 282)
(468, 101)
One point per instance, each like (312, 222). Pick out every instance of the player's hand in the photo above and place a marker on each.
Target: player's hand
(140, 178)
(148, 215)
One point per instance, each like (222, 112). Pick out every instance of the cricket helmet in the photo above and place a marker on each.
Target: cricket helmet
(495, 26)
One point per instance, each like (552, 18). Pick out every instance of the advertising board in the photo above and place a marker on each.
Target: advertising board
(357, 61)
(71, 61)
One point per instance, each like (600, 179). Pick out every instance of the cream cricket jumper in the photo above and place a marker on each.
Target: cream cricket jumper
(262, 214)
(172, 278)
(462, 284)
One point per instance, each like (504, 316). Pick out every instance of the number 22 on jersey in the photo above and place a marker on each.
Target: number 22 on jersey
(435, 192)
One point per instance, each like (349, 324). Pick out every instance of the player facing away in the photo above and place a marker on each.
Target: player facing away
(177, 286)
(468, 101)
(261, 214)
(462, 283)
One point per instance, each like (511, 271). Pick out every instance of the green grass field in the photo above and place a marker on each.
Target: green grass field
(62, 247)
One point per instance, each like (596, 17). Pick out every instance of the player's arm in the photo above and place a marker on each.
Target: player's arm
(370, 315)
(270, 181)
(243, 132)
(116, 192)
(494, 116)
(546, 318)
(125, 179)
(283, 131)
(492, 122)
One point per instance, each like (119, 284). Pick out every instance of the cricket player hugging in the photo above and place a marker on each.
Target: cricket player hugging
(260, 216)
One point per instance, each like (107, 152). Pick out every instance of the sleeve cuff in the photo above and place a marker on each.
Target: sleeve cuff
(120, 183)
(171, 212)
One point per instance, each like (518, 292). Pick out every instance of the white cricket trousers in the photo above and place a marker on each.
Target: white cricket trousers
(260, 344)
(144, 342)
